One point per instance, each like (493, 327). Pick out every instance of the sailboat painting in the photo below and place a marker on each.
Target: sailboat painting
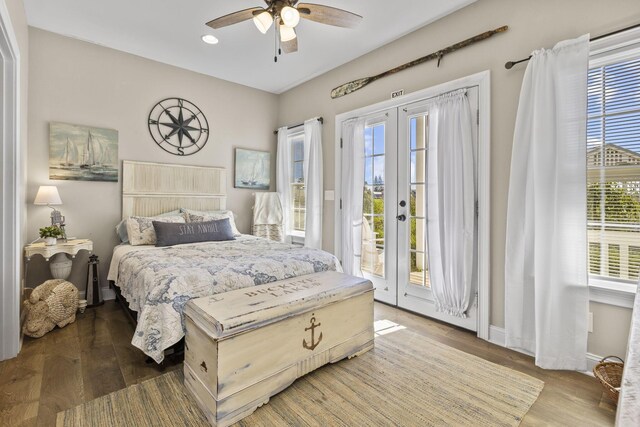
(253, 169)
(82, 153)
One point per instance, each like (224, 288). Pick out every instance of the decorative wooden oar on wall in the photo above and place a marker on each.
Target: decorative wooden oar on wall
(355, 85)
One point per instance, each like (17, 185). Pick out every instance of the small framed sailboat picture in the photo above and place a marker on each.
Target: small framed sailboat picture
(82, 153)
(253, 169)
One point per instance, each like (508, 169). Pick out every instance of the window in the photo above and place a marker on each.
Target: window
(297, 208)
(372, 259)
(613, 169)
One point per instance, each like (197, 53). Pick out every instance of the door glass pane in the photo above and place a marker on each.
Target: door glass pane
(417, 132)
(417, 203)
(373, 243)
(418, 265)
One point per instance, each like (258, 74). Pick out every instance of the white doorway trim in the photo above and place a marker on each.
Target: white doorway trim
(483, 81)
(11, 184)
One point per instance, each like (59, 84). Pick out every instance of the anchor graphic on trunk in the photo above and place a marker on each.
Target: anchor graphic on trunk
(312, 328)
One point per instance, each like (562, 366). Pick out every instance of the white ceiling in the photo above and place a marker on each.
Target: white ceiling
(170, 31)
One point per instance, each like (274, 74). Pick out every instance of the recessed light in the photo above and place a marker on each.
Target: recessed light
(209, 39)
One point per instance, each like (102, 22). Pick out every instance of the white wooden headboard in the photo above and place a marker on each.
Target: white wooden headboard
(150, 189)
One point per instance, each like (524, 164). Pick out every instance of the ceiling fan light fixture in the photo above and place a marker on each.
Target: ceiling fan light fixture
(263, 21)
(287, 33)
(290, 16)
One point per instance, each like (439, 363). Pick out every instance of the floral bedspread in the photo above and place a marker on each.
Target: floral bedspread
(158, 282)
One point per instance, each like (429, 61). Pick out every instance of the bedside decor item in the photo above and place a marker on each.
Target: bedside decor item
(93, 292)
(286, 14)
(178, 126)
(50, 234)
(48, 195)
(53, 303)
(252, 169)
(82, 305)
(355, 85)
(82, 153)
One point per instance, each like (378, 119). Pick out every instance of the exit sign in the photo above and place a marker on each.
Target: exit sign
(397, 93)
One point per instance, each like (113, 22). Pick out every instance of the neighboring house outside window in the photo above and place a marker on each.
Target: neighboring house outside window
(297, 210)
(613, 170)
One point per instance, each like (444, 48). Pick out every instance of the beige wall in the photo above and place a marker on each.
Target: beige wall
(533, 24)
(77, 82)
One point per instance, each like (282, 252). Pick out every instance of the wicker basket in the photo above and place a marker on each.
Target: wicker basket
(610, 376)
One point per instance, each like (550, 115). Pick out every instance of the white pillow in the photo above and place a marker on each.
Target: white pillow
(200, 216)
(121, 228)
(140, 229)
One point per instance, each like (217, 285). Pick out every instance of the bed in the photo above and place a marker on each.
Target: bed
(156, 282)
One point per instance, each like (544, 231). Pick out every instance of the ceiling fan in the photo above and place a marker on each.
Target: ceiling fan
(286, 14)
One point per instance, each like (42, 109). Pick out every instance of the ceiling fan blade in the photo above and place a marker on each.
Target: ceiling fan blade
(290, 47)
(233, 18)
(328, 15)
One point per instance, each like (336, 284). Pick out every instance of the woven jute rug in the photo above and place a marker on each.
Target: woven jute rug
(406, 380)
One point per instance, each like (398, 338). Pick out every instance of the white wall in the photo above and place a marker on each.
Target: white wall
(19, 23)
(533, 25)
(81, 83)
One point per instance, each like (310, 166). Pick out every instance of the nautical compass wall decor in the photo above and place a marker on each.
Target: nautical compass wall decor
(178, 126)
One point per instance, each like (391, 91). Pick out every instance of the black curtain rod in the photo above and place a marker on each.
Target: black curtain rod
(510, 64)
(320, 119)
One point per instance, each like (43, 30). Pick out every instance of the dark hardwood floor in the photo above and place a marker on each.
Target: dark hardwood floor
(93, 357)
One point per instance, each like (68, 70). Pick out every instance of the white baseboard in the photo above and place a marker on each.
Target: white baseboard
(592, 361)
(107, 294)
(497, 336)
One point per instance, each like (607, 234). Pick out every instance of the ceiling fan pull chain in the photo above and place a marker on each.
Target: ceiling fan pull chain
(275, 48)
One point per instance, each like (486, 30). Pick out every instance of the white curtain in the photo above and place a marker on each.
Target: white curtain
(546, 292)
(313, 183)
(352, 191)
(451, 197)
(283, 178)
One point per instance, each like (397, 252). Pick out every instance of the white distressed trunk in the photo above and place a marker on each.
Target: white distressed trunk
(244, 346)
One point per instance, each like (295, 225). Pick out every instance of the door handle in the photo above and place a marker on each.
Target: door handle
(401, 217)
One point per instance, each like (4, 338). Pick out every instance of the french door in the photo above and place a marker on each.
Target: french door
(394, 253)
(379, 251)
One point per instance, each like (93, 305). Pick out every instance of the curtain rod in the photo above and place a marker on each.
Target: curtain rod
(320, 119)
(510, 64)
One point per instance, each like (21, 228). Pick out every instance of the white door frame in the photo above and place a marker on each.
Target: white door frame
(11, 184)
(483, 81)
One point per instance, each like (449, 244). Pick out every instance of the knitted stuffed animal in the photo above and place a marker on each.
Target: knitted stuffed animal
(54, 302)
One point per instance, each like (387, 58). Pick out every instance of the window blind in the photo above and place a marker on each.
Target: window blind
(613, 171)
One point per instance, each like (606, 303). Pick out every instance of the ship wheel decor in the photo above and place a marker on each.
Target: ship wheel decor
(286, 15)
(178, 126)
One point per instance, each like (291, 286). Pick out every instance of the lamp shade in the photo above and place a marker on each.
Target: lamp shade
(290, 16)
(287, 33)
(263, 21)
(47, 195)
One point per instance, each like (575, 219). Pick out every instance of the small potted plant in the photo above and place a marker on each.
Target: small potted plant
(50, 234)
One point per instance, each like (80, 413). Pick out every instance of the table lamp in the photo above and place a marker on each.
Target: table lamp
(48, 195)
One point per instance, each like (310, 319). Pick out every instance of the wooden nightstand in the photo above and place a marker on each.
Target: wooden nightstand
(70, 247)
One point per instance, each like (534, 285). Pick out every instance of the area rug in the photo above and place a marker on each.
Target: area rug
(407, 380)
